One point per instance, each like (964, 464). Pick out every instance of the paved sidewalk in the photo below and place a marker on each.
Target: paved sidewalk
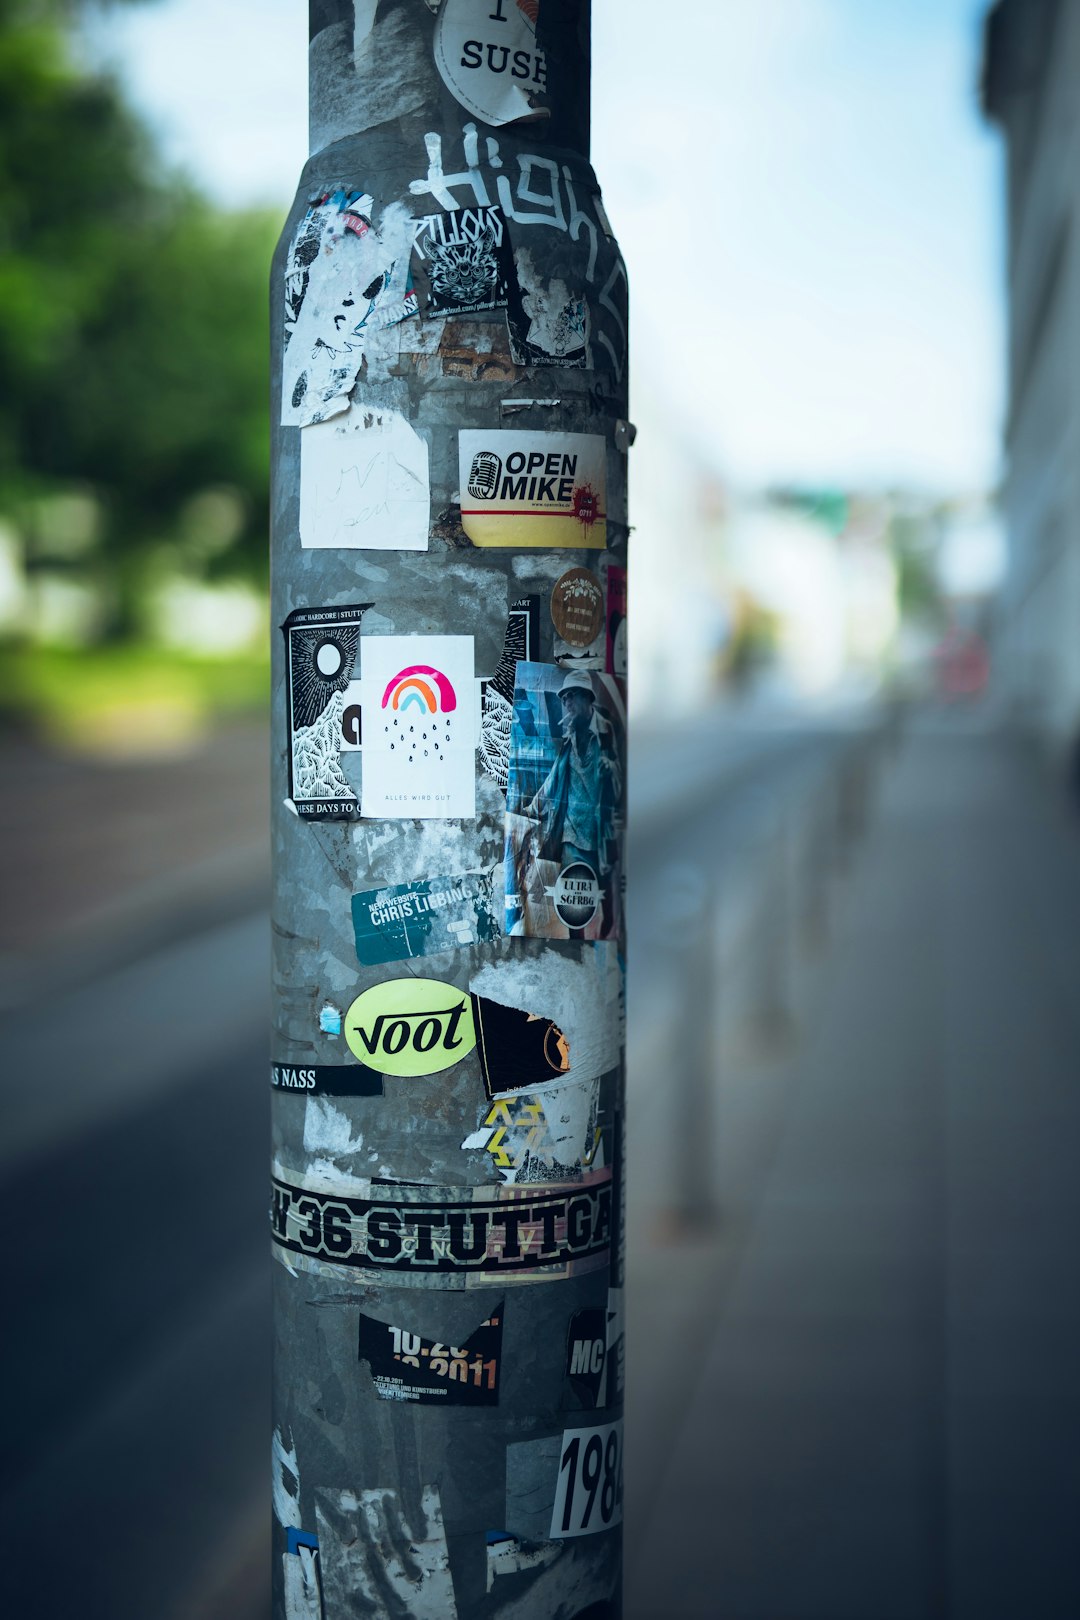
(859, 1399)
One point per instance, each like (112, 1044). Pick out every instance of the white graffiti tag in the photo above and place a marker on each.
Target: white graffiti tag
(543, 193)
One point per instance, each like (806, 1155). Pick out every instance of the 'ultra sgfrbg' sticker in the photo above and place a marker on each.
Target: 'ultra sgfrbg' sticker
(411, 1026)
(533, 489)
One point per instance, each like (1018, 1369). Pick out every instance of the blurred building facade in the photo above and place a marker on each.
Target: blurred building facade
(1031, 89)
(787, 596)
(679, 618)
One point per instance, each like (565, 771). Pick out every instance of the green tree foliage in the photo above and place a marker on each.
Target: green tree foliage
(133, 315)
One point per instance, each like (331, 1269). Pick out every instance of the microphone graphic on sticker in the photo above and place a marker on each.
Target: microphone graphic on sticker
(484, 475)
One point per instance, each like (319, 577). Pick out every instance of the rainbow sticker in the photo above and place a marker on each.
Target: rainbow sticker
(420, 747)
(421, 687)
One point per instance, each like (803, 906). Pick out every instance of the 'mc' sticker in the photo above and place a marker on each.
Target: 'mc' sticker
(411, 1026)
(533, 489)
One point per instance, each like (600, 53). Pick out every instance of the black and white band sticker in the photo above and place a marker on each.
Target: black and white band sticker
(326, 1079)
(322, 708)
(595, 1355)
(518, 1233)
(586, 1355)
(589, 1487)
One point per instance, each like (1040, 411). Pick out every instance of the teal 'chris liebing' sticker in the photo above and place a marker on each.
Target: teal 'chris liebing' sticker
(419, 919)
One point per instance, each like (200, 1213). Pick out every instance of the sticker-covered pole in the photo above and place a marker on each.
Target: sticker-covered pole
(449, 714)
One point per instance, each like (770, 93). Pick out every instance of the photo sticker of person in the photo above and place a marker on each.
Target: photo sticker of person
(564, 805)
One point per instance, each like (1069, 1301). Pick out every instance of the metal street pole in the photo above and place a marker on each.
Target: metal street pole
(449, 597)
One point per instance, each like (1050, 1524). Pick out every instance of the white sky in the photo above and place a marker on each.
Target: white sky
(804, 193)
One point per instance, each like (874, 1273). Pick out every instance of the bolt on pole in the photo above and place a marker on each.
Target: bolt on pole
(449, 327)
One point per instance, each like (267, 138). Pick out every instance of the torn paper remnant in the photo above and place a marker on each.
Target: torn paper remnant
(345, 277)
(285, 1481)
(300, 1569)
(378, 1562)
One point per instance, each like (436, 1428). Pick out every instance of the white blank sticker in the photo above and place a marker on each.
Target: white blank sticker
(364, 483)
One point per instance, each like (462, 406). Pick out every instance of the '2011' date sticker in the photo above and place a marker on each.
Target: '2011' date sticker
(589, 1487)
(409, 1367)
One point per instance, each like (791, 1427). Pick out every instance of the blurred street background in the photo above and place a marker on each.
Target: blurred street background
(854, 1040)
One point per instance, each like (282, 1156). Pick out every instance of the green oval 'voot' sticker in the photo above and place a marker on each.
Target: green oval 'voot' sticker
(411, 1026)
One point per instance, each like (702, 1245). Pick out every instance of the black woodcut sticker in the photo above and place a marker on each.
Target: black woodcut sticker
(547, 323)
(326, 1079)
(407, 1367)
(464, 258)
(513, 1232)
(517, 1050)
(322, 705)
(522, 641)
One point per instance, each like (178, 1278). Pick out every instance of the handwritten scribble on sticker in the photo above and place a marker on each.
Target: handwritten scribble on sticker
(364, 483)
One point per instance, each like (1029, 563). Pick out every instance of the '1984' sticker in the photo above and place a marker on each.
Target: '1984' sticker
(589, 1489)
